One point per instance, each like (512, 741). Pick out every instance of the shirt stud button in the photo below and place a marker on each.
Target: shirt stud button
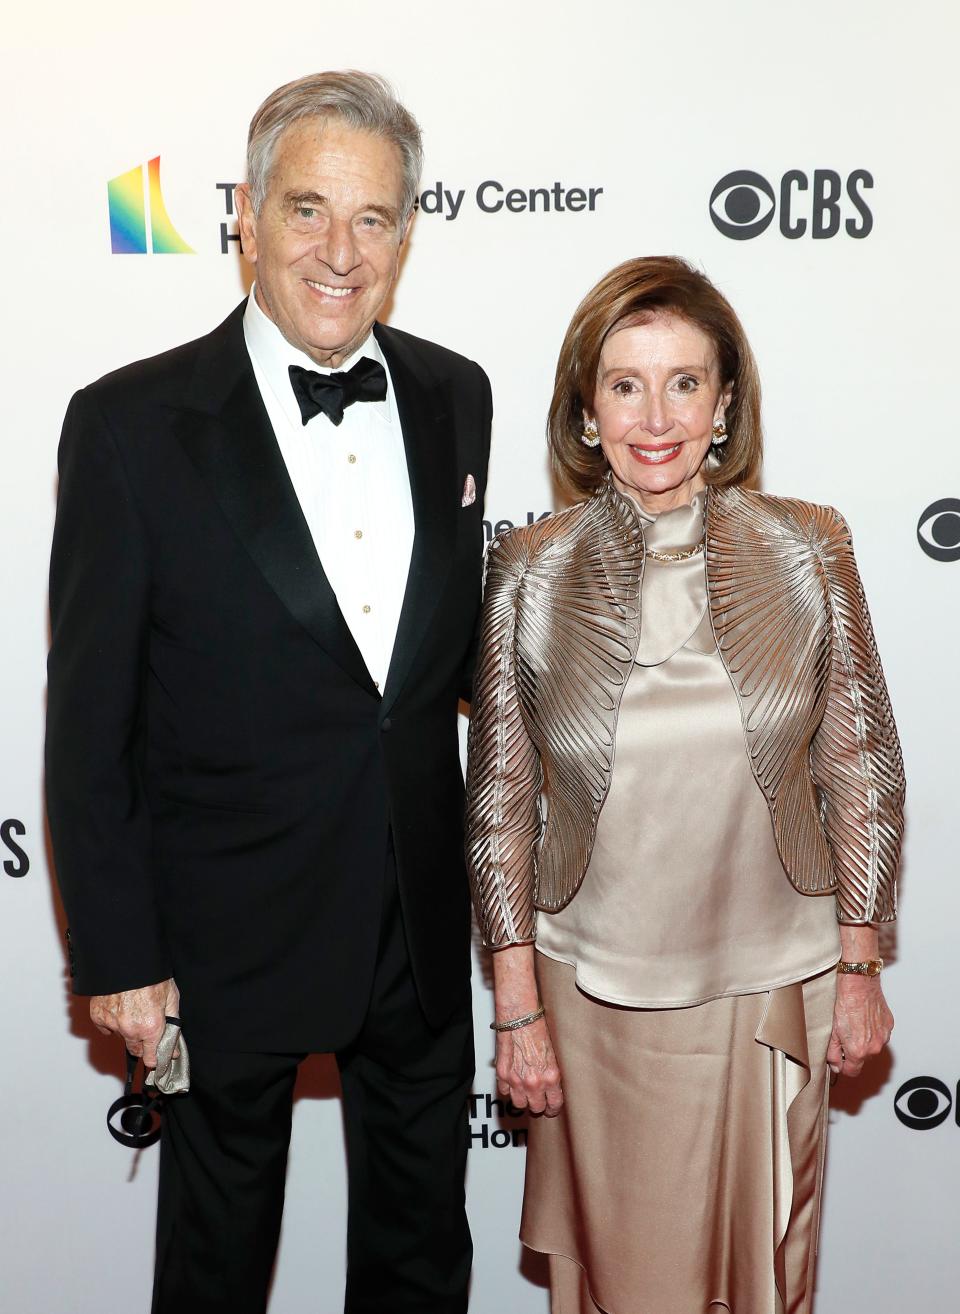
(366, 609)
(358, 533)
(352, 459)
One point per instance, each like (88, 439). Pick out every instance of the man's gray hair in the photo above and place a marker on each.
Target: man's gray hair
(361, 100)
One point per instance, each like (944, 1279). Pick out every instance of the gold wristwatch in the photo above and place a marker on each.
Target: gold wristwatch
(872, 967)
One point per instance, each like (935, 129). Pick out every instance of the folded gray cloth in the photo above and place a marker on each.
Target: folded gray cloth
(171, 1076)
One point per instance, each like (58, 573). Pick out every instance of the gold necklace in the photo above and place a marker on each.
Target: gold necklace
(683, 555)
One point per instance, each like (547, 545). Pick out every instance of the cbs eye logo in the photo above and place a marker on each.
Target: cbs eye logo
(938, 530)
(743, 204)
(923, 1103)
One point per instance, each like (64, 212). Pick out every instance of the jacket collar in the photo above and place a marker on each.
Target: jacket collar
(624, 559)
(426, 418)
(227, 435)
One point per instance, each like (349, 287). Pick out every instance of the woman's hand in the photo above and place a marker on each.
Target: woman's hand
(862, 1023)
(527, 1069)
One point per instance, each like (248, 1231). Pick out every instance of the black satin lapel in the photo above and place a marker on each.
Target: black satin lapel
(427, 421)
(237, 455)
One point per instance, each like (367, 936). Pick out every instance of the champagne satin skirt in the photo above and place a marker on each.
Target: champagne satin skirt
(683, 1175)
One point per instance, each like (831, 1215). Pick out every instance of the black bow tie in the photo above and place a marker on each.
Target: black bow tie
(333, 393)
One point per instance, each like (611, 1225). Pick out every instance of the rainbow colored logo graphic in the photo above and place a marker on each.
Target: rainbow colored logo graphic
(139, 223)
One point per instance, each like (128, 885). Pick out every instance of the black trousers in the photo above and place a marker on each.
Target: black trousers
(223, 1161)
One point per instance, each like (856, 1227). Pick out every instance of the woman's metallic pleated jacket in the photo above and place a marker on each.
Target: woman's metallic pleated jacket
(560, 631)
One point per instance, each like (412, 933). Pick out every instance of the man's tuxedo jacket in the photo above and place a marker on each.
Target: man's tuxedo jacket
(223, 776)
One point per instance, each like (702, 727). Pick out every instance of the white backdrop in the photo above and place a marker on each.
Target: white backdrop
(856, 338)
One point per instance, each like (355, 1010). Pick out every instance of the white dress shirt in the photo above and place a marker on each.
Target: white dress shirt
(352, 484)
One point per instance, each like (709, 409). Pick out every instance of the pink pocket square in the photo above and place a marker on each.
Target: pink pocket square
(469, 491)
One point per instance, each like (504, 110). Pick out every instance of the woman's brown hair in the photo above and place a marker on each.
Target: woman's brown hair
(630, 294)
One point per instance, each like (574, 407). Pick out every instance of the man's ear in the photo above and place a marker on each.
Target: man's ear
(248, 221)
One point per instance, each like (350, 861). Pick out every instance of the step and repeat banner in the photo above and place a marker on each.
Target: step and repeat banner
(803, 158)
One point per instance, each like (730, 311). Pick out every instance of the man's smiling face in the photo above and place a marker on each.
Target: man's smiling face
(326, 243)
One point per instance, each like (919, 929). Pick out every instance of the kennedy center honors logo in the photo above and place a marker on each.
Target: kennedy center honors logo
(139, 223)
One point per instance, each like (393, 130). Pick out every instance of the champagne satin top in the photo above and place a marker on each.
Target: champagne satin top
(685, 898)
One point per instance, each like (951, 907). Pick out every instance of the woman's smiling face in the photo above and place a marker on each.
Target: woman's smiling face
(658, 396)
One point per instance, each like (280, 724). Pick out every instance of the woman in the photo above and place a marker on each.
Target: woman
(684, 821)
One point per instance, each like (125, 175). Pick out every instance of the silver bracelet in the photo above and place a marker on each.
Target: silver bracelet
(516, 1023)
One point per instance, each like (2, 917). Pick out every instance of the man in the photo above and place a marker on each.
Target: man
(264, 588)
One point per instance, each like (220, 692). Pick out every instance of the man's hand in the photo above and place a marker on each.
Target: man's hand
(137, 1016)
